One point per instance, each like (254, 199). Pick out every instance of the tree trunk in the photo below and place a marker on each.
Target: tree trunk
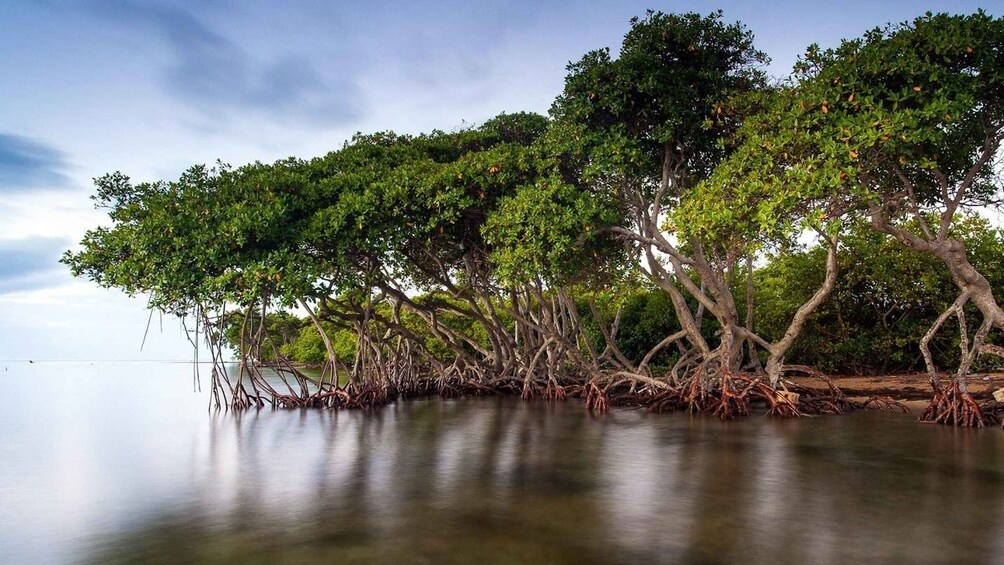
(775, 362)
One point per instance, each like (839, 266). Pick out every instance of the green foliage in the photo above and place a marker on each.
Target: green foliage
(215, 236)
(308, 348)
(885, 299)
(673, 73)
(613, 125)
(646, 317)
(280, 329)
(911, 103)
(415, 205)
(551, 230)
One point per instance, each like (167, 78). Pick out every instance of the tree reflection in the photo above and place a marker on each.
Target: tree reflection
(495, 480)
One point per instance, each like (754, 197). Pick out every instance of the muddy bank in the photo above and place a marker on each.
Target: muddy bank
(914, 386)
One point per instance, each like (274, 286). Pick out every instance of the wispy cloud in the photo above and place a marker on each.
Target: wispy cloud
(212, 73)
(31, 263)
(26, 164)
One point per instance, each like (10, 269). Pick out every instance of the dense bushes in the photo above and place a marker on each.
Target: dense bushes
(885, 300)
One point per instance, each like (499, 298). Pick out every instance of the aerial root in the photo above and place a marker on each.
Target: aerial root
(955, 407)
(532, 389)
(728, 397)
(449, 390)
(693, 396)
(736, 391)
(995, 409)
(415, 388)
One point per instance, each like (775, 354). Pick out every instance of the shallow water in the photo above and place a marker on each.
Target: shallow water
(122, 463)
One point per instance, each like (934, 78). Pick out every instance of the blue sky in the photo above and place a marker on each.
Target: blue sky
(149, 88)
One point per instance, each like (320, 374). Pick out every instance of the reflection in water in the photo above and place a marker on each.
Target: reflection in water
(490, 480)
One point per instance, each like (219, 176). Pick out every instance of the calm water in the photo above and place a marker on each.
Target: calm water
(122, 463)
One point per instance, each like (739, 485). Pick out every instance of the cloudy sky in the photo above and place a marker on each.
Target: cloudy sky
(149, 88)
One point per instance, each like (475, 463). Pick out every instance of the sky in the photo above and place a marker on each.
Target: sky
(149, 88)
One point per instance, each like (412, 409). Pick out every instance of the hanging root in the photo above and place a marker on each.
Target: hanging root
(955, 407)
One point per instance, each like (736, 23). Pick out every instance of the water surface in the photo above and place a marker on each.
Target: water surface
(122, 463)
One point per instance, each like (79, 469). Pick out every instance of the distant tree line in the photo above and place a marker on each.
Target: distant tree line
(678, 233)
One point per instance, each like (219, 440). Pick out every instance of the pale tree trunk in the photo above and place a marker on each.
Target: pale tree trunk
(777, 350)
(976, 288)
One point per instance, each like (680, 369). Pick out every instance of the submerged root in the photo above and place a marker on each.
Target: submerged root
(954, 406)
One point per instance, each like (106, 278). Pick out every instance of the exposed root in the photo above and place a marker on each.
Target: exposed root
(782, 402)
(994, 409)
(596, 398)
(696, 396)
(885, 403)
(554, 391)
(529, 391)
(815, 402)
(955, 407)
(733, 401)
(728, 398)
(667, 401)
